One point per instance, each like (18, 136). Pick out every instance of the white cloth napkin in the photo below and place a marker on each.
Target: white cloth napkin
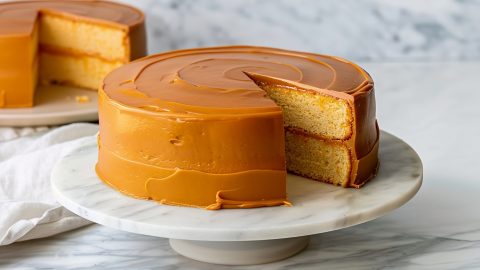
(28, 209)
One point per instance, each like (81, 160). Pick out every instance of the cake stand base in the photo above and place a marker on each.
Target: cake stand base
(241, 236)
(240, 252)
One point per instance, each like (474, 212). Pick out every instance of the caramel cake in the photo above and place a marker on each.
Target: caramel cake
(218, 127)
(64, 42)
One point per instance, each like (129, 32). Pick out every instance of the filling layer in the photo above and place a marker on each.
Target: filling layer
(83, 71)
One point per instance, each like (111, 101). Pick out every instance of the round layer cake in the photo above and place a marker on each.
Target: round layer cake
(75, 42)
(219, 127)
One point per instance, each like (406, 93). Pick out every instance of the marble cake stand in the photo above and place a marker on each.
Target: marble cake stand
(54, 105)
(242, 236)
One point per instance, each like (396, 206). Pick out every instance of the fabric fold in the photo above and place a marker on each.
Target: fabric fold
(28, 209)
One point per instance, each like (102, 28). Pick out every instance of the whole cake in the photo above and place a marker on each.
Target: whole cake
(64, 42)
(218, 127)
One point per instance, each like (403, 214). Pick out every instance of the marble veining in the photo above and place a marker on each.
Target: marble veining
(363, 247)
(369, 30)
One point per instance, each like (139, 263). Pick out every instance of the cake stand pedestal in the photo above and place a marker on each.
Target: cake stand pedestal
(242, 236)
(54, 105)
(240, 252)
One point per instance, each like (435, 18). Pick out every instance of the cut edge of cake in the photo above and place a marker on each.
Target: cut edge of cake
(319, 115)
(319, 128)
(79, 51)
(66, 33)
(326, 161)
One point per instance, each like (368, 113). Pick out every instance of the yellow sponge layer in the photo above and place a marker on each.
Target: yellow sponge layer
(82, 71)
(317, 159)
(106, 42)
(317, 114)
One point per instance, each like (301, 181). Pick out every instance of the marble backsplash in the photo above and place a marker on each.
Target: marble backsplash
(368, 30)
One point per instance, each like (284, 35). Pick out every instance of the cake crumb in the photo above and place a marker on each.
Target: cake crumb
(82, 99)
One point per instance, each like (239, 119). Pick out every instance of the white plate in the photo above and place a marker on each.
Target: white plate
(317, 208)
(54, 105)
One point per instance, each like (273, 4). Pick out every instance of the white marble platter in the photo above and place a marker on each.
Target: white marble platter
(317, 207)
(54, 105)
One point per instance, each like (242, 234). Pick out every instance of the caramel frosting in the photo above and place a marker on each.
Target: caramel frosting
(192, 127)
(18, 18)
(19, 39)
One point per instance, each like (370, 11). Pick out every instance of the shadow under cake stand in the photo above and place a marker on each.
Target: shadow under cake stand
(54, 105)
(242, 236)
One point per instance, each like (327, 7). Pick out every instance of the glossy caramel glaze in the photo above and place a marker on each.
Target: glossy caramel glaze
(191, 128)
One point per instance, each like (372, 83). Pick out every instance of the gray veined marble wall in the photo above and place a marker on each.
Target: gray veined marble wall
(361, 30)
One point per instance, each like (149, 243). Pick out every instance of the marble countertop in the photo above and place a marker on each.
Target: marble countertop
(368, 30)
(432, 106)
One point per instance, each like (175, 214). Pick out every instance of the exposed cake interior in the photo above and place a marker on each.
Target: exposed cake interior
(319, 115)
(78, 52)
(74, 42)
(84, 71)
(315, 125)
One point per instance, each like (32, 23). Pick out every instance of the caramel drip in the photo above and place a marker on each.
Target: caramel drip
(233, 204)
